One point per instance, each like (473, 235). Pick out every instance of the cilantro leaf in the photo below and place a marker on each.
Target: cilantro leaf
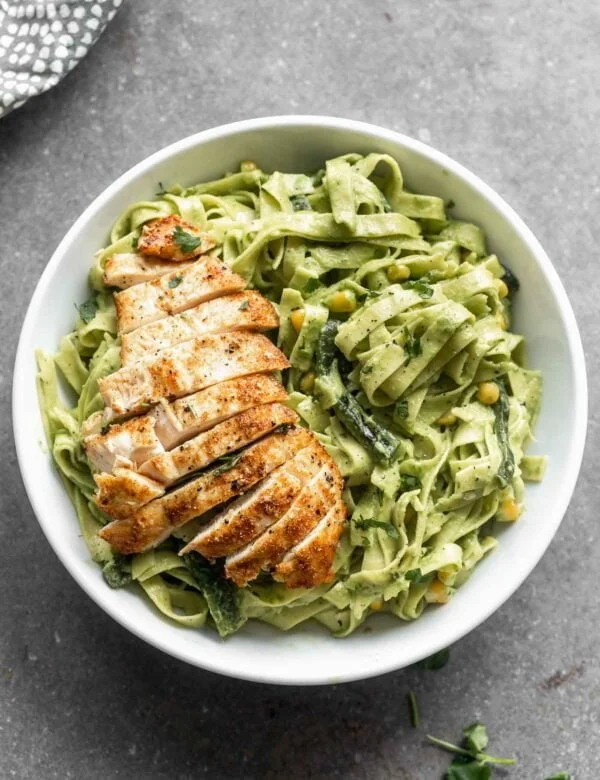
(364, 523)
(311, 285)
(175, 281)
(450, 204)
(401, 409)
(117, 572)
(225, 463)
(409, 482)
(560, 776)
(244, 305)
(186, 241)
(414, 575)
(473, 770)
(436, 661)
(476, 737)
(420, 285)
(412, 344)
(135, 241)
(87, 311)
(510, 280)
(161, 190)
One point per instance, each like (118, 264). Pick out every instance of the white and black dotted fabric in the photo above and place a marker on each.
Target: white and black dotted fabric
(40, 42)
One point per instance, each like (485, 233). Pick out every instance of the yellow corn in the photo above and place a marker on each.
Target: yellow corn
(297, 319)
(307, 383)
(398, 273)
(502, 288)
(377, 605)
(343, 301)
(488, 393)
(445, 575)
(437, 592)
(510, 510)
(248, 165)
(447, 419)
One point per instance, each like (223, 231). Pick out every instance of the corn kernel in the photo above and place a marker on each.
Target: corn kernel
(307, 383)
(343, 301)
(297, 319)
(502, 288)
(437, 592)
(247, 166)
(488, 393)
(447, 419)
(510, 510)
(501, 320)
(377, 605)
(398, 273)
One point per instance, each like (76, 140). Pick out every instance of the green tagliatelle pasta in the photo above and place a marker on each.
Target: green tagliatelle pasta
(396, 323)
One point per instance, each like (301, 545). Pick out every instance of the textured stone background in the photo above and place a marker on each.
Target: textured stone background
(506, 87)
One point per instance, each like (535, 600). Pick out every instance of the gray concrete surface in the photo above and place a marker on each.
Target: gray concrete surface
(506, 87)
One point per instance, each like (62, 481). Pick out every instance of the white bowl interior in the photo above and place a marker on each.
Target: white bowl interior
(542, 313)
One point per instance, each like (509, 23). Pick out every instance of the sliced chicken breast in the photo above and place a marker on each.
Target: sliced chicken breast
(178, 421)
(122, 492)
(224, 438)
(172, 238)
(310, 562)
(154, 522)
(247, 310)
(126, 269)
(129, 443)
(247, 517)
(189, 367)
(138, 439)
(309, 508)
(172, 293)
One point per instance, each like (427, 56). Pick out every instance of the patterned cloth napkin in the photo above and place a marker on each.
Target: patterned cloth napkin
(40, 42)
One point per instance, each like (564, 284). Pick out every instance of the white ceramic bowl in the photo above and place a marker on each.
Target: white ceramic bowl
(542, 312)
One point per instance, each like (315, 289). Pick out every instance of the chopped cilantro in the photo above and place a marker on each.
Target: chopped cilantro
(186, 241)
(412, 344)
(368, 522)
(87, 311)
(409, 482)
(421, 286)
(450, 204)
(175, 281)
(401, 409)
(161, 190)
(244, 305)
(311, 285)
(414, 575)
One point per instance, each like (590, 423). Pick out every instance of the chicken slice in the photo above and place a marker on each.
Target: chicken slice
(247, 517)
(189, 367)
(126, 269)
(122, 492)
(240, 311)
(310, 563)
(154, 522)
(305, 513)
(178, 421)
(228, 436)
(167, 425)
(131, 442)
(172, 293)
(172, 238)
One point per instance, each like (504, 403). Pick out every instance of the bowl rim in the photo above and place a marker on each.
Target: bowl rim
(573, 458)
